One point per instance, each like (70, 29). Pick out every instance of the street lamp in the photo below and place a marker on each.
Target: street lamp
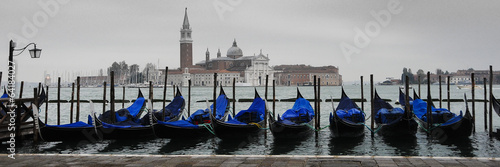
(35, 53)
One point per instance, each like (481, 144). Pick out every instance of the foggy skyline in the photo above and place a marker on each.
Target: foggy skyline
(87, 36)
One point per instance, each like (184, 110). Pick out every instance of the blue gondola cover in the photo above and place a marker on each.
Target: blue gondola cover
(301, 112)
(254, 113)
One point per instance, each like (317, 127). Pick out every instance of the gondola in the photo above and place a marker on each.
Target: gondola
(197, 125)
(295, 122)
(244, 123)
(348, 119)
(77, 131)
(128, 124)
(393, 122)
(173, 111)
(445, 124)
(496, 107)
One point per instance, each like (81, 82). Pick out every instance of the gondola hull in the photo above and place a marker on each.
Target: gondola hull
(227, 130)
(399, 128)
(70, 134)
(280, 130)
(459, 129)
(128, 133)
(171, 132)
(341, 128)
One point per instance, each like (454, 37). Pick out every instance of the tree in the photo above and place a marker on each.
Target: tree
(421, 74)
(149, 72)
(439, 71)
(134, 73)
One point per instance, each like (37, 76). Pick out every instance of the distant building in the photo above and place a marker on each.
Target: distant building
(92, 81)
(247, 70)
(297, 75)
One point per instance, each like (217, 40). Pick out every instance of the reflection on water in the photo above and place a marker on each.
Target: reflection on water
(463, 147)
(175, 145)
(282, 146)
(404, 146)
(344, 146)
(232, 145)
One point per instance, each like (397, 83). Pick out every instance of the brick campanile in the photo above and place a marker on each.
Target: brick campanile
(186, 44)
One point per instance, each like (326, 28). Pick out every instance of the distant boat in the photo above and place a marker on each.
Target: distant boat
(242, 84)
(468, 87)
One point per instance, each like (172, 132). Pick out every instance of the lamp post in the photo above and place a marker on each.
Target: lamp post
(35, 53)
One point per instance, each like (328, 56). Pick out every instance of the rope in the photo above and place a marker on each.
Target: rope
(374, 131)
(208, 127)
(323, 128)
(428, 130)
(258, 125)
(316, 130)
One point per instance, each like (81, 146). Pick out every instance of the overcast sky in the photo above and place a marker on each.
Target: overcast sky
(85, 36)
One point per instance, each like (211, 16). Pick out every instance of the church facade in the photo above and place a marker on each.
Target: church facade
(245, 70)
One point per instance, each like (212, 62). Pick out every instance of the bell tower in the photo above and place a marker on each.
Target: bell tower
(186, 43)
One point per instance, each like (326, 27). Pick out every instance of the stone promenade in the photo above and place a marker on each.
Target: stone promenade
(236, 160)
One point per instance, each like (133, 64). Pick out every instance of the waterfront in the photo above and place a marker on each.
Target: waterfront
(478, 145)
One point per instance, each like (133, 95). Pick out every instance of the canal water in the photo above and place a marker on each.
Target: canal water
(478, 145)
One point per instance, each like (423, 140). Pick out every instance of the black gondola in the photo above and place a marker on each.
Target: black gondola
(197, 125)
(77, 131)
(393, 122)
(445, 124)
(244, 123)
(127, 125)
(294, 123)
(348, 119)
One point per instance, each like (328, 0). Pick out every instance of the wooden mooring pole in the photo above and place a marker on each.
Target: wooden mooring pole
(189, 97)
(274, 99)
(362, 95)
(72, 99)
(165, 93)
(103, 97)
(315, 105)
(35, 130)
(58, 100)
(440, 94)
(77, 99)
(319, 104)
(123, 96)
(448, 92)
(112, 96)
(429, 101)
(151, 96)
(485, 105)
(419, 82)
(214, 110)
(234, 97)
(265, 111)
(491, 104)
(473, 91)
(46, 103)
(21, 90)
(372, 95)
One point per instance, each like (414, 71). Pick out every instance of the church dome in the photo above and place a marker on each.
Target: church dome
(234, 52)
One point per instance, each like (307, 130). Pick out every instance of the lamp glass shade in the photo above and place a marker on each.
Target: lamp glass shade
(35, 53)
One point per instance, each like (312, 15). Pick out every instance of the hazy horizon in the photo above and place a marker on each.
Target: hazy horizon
(359, 37)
